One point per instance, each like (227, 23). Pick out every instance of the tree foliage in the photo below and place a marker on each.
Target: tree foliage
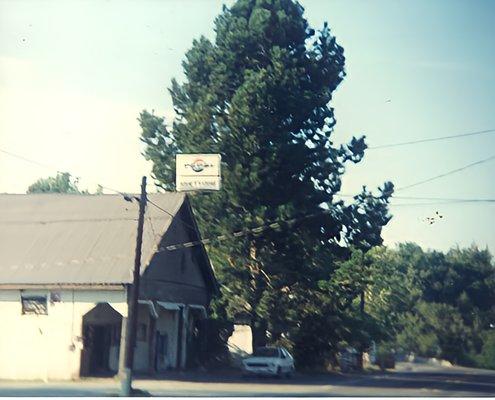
(437, 304)
(63, 182)
(259, 95)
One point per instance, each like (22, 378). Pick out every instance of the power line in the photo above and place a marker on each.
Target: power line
(450, 199)
(126, 196)
(52, 167)
(243, 232)
(444, 199)
(131, 197)
(171, 215)
(383, 146)
(277, 225)
(29, 160)
(446, 173)
(436, 203)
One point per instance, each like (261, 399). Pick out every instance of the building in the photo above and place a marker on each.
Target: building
(66, 264)
(240, 342)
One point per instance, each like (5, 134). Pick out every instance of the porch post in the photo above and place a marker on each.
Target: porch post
(123, 340)
(152, 346)
(185, 325)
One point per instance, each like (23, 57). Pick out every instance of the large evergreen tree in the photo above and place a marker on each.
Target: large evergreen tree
(259, 95)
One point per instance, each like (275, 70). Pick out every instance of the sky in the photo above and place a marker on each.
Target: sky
(75, 74)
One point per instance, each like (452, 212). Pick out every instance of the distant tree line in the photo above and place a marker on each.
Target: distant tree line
(434, 304)
(63, 182)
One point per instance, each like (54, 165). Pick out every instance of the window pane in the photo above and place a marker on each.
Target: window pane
(34, 305)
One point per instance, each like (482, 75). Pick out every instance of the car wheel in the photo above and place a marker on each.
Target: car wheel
(279, 372)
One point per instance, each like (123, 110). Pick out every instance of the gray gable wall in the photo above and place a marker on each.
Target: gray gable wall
(179, 274)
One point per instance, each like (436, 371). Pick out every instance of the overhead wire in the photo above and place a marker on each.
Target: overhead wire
(243, 232)
(425, 198)
(433, 203)
(171, 215)
(278, 224)
(383, 146)
(446, 173)
(29, 160)
(127, 196)
(59, 170)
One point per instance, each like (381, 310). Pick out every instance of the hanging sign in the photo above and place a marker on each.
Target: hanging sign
(197, 172)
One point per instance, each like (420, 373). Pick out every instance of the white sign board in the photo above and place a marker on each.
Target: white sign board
(197, 172)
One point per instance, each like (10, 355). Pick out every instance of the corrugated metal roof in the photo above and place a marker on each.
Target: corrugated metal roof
(81, 239)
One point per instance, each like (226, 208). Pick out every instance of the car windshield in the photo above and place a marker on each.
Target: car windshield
(266, 352)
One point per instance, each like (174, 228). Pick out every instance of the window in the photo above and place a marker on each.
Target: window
(285, 353)
(34, 305)
(162, 345)
(55, 297)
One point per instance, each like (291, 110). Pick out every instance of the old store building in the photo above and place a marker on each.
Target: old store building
(66, 264)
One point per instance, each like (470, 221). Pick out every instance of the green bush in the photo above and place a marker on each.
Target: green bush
(486, 357)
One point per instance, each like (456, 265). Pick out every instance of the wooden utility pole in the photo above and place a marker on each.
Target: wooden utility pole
(129, 339)
(361, 309)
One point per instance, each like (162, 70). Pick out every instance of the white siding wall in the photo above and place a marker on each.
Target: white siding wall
(39, 346)
(241, 340)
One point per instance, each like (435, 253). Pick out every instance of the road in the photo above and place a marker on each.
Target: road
(407, 380)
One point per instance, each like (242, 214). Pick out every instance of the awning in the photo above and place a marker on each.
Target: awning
(151, 306)
(202, 309)
(170, 306)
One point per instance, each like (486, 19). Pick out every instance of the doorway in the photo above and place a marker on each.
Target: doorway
(161, 351)
(101, 341)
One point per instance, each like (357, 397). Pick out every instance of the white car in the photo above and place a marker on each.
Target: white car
(275, 361)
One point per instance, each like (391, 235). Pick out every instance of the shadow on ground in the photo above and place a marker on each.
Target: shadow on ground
(236, 376)
(451, 381)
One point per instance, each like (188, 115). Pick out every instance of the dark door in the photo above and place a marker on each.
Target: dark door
(100, 349)
(161, 350)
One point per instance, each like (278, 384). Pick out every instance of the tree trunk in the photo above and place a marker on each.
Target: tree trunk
(258, 331)
(361, 346)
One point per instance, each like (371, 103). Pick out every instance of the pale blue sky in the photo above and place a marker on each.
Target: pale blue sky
(75, 74)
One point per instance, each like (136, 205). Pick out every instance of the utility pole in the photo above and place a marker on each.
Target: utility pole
(132, 303)
(361, 309)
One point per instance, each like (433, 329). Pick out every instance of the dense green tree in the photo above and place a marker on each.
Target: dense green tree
(259, 95)
(63, 182)
(462, 278)
(436, 330)
(485, 358)
(445, 306)
(390, 293)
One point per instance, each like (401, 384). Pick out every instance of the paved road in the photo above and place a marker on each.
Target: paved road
(406, 380)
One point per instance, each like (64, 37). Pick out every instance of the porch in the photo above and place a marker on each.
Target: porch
(169, 336)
